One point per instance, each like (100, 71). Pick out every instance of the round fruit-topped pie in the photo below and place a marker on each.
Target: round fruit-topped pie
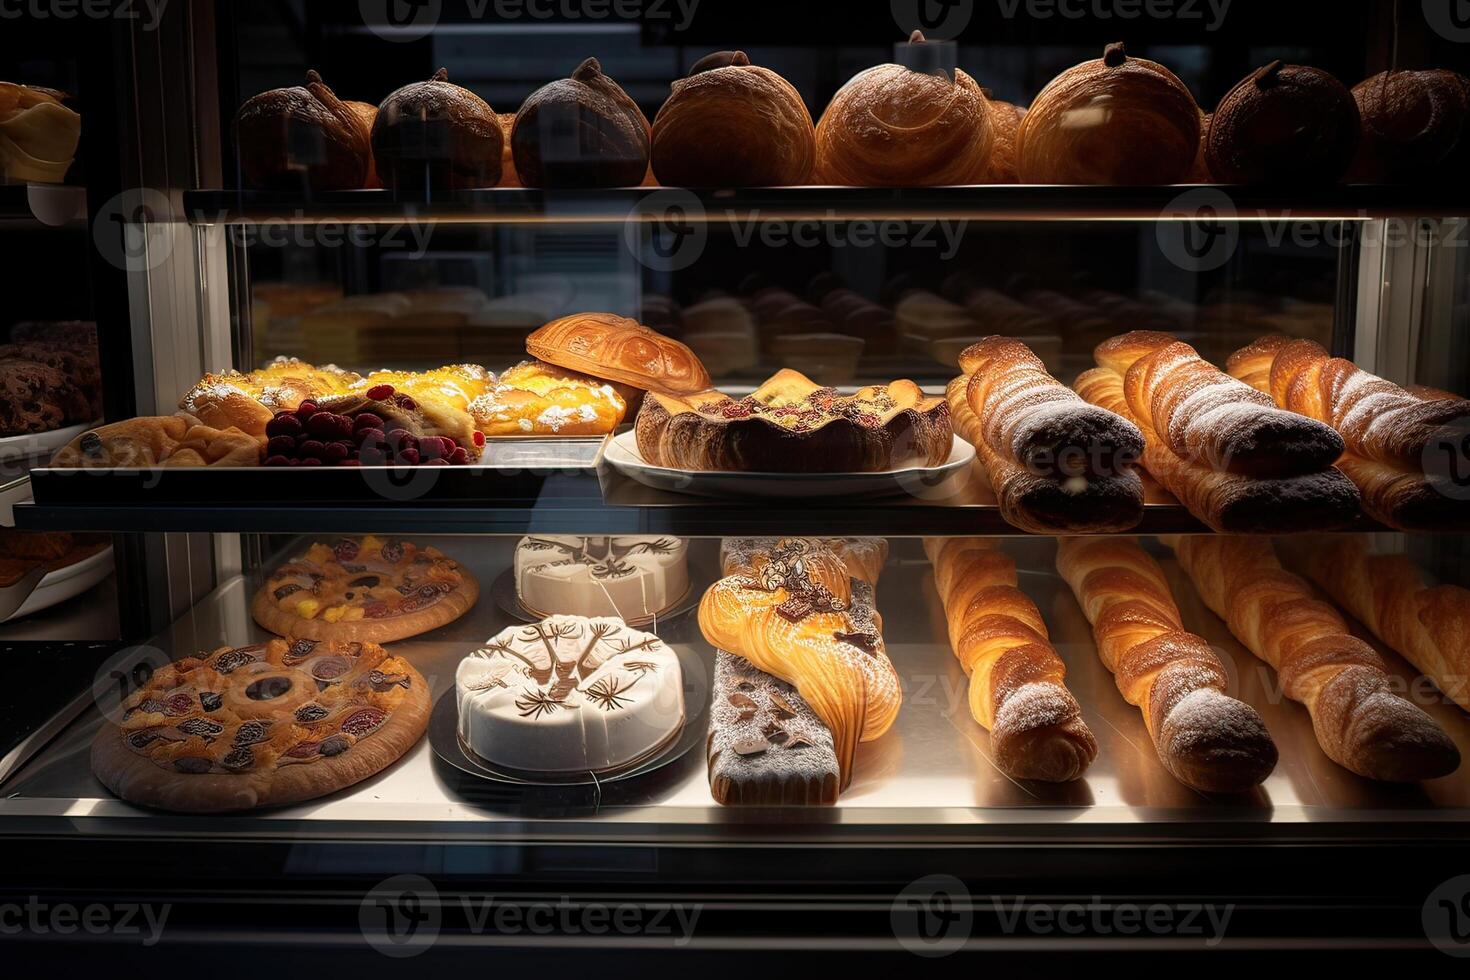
(369, 588)
(790, 424)
(271, 723)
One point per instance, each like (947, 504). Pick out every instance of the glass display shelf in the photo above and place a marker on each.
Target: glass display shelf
(51, 205)
(930, 776)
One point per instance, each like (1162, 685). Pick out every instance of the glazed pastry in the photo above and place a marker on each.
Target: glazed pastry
(732, 124)
(1204, 737)
(1284, 124)
(1116, 120)
(1429, 626)
(614, 347)
(457, 385)
(891, 126)
(631, 577)
(262, 725)
(534, 398)
(1360, 722)
(38, 134)
(581, 131)
(569, 695)
(766, 745)
(437, 136)
(1055, 462)
(368, 589)
(249, 401)
(1414, 125)
(1227, 501)
(302, 137)
(792, 425)
(1006, 119)
(864, 558)
(1018, 686)
(798, 614)
(1389, 433)
(144, 443)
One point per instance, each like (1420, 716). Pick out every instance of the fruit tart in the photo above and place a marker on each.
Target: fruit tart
(792, 425)
(377, 427)
(368, 589)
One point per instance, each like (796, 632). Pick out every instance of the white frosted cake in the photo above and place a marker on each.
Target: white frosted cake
(633, 578)
(569, 694)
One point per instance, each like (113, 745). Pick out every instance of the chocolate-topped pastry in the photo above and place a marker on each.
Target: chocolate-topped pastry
(766, 747)
(582, 131)
(303, 136)
(436, 135)
(1283, 124)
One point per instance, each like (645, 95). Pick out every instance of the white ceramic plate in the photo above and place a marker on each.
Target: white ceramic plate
(17, 491)
(928, 482)
(39, 443)
(67, 583)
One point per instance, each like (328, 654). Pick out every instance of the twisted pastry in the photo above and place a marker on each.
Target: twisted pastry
(1055, 462)
(1389, 433)
(1205, 416)
(1204, 737)
(1359, 721)
(1017, 681)
(1429, 626)
(796, 613)
(1228, 501)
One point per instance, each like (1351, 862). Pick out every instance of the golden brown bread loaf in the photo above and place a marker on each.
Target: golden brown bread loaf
(605, 345)
(1228, 501)
(1359, 720)
(1414, 125)
(1204, 737)
(796, 612)
(437, 136)
(1017, 682)
(582, 131)
(302, 137)
(1116, 120)
(733, 124)
(1283, 124)
(891, 126)
(1429, 626)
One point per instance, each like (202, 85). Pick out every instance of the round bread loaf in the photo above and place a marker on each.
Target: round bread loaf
(618, 348)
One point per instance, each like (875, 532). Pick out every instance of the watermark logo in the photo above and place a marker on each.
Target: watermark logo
(123, 675)
(139, 921)
(666, 230)
(933, 916)
(1101, 917)
(131, 230)
(1198, 231)
(401, 20)
(1446, 459)
(1449, 18)
(1446, 917)
(401, 916)
(940, 20)
(1211, 12)
(146, 13)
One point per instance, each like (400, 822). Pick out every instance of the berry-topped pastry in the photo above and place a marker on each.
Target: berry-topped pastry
(368, 589)
(792, 425)
(380, 426)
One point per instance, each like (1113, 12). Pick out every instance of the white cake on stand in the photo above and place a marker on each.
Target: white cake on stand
(633, 578)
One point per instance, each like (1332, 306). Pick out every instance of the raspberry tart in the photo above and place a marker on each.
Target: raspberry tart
(380, 426)
(366, 589)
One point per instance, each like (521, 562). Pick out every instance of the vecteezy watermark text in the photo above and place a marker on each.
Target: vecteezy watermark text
(834, 232)
(1211, 12)
(411, 20)
(34, 917)
(148, 12)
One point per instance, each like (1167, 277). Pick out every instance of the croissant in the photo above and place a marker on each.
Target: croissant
(1204, 737)
(799, 615)
(1360, 723)
(1429, 626)
(891, 126)
(1227, 501)
(1116, 120)
(1389, 433)
(1205, 416)
(1017, 681)
(1283, 124)
(733, 124)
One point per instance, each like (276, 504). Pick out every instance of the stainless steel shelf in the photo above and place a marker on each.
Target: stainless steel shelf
(930, 778)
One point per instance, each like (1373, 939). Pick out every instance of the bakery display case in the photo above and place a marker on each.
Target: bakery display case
(916, 481)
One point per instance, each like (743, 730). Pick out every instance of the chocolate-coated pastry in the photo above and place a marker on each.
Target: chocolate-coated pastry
(1283, 124)
(732, 124)
(892, 126)
(290, 138)
(436, 136)
(1116, 120)
(1414, 125)
(582, 131)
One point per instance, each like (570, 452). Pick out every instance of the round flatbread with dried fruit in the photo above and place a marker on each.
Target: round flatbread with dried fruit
(371, 589)
(262, 725)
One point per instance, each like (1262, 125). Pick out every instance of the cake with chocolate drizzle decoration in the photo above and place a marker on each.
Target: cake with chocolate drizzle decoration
(570, 694)
(633, 577)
